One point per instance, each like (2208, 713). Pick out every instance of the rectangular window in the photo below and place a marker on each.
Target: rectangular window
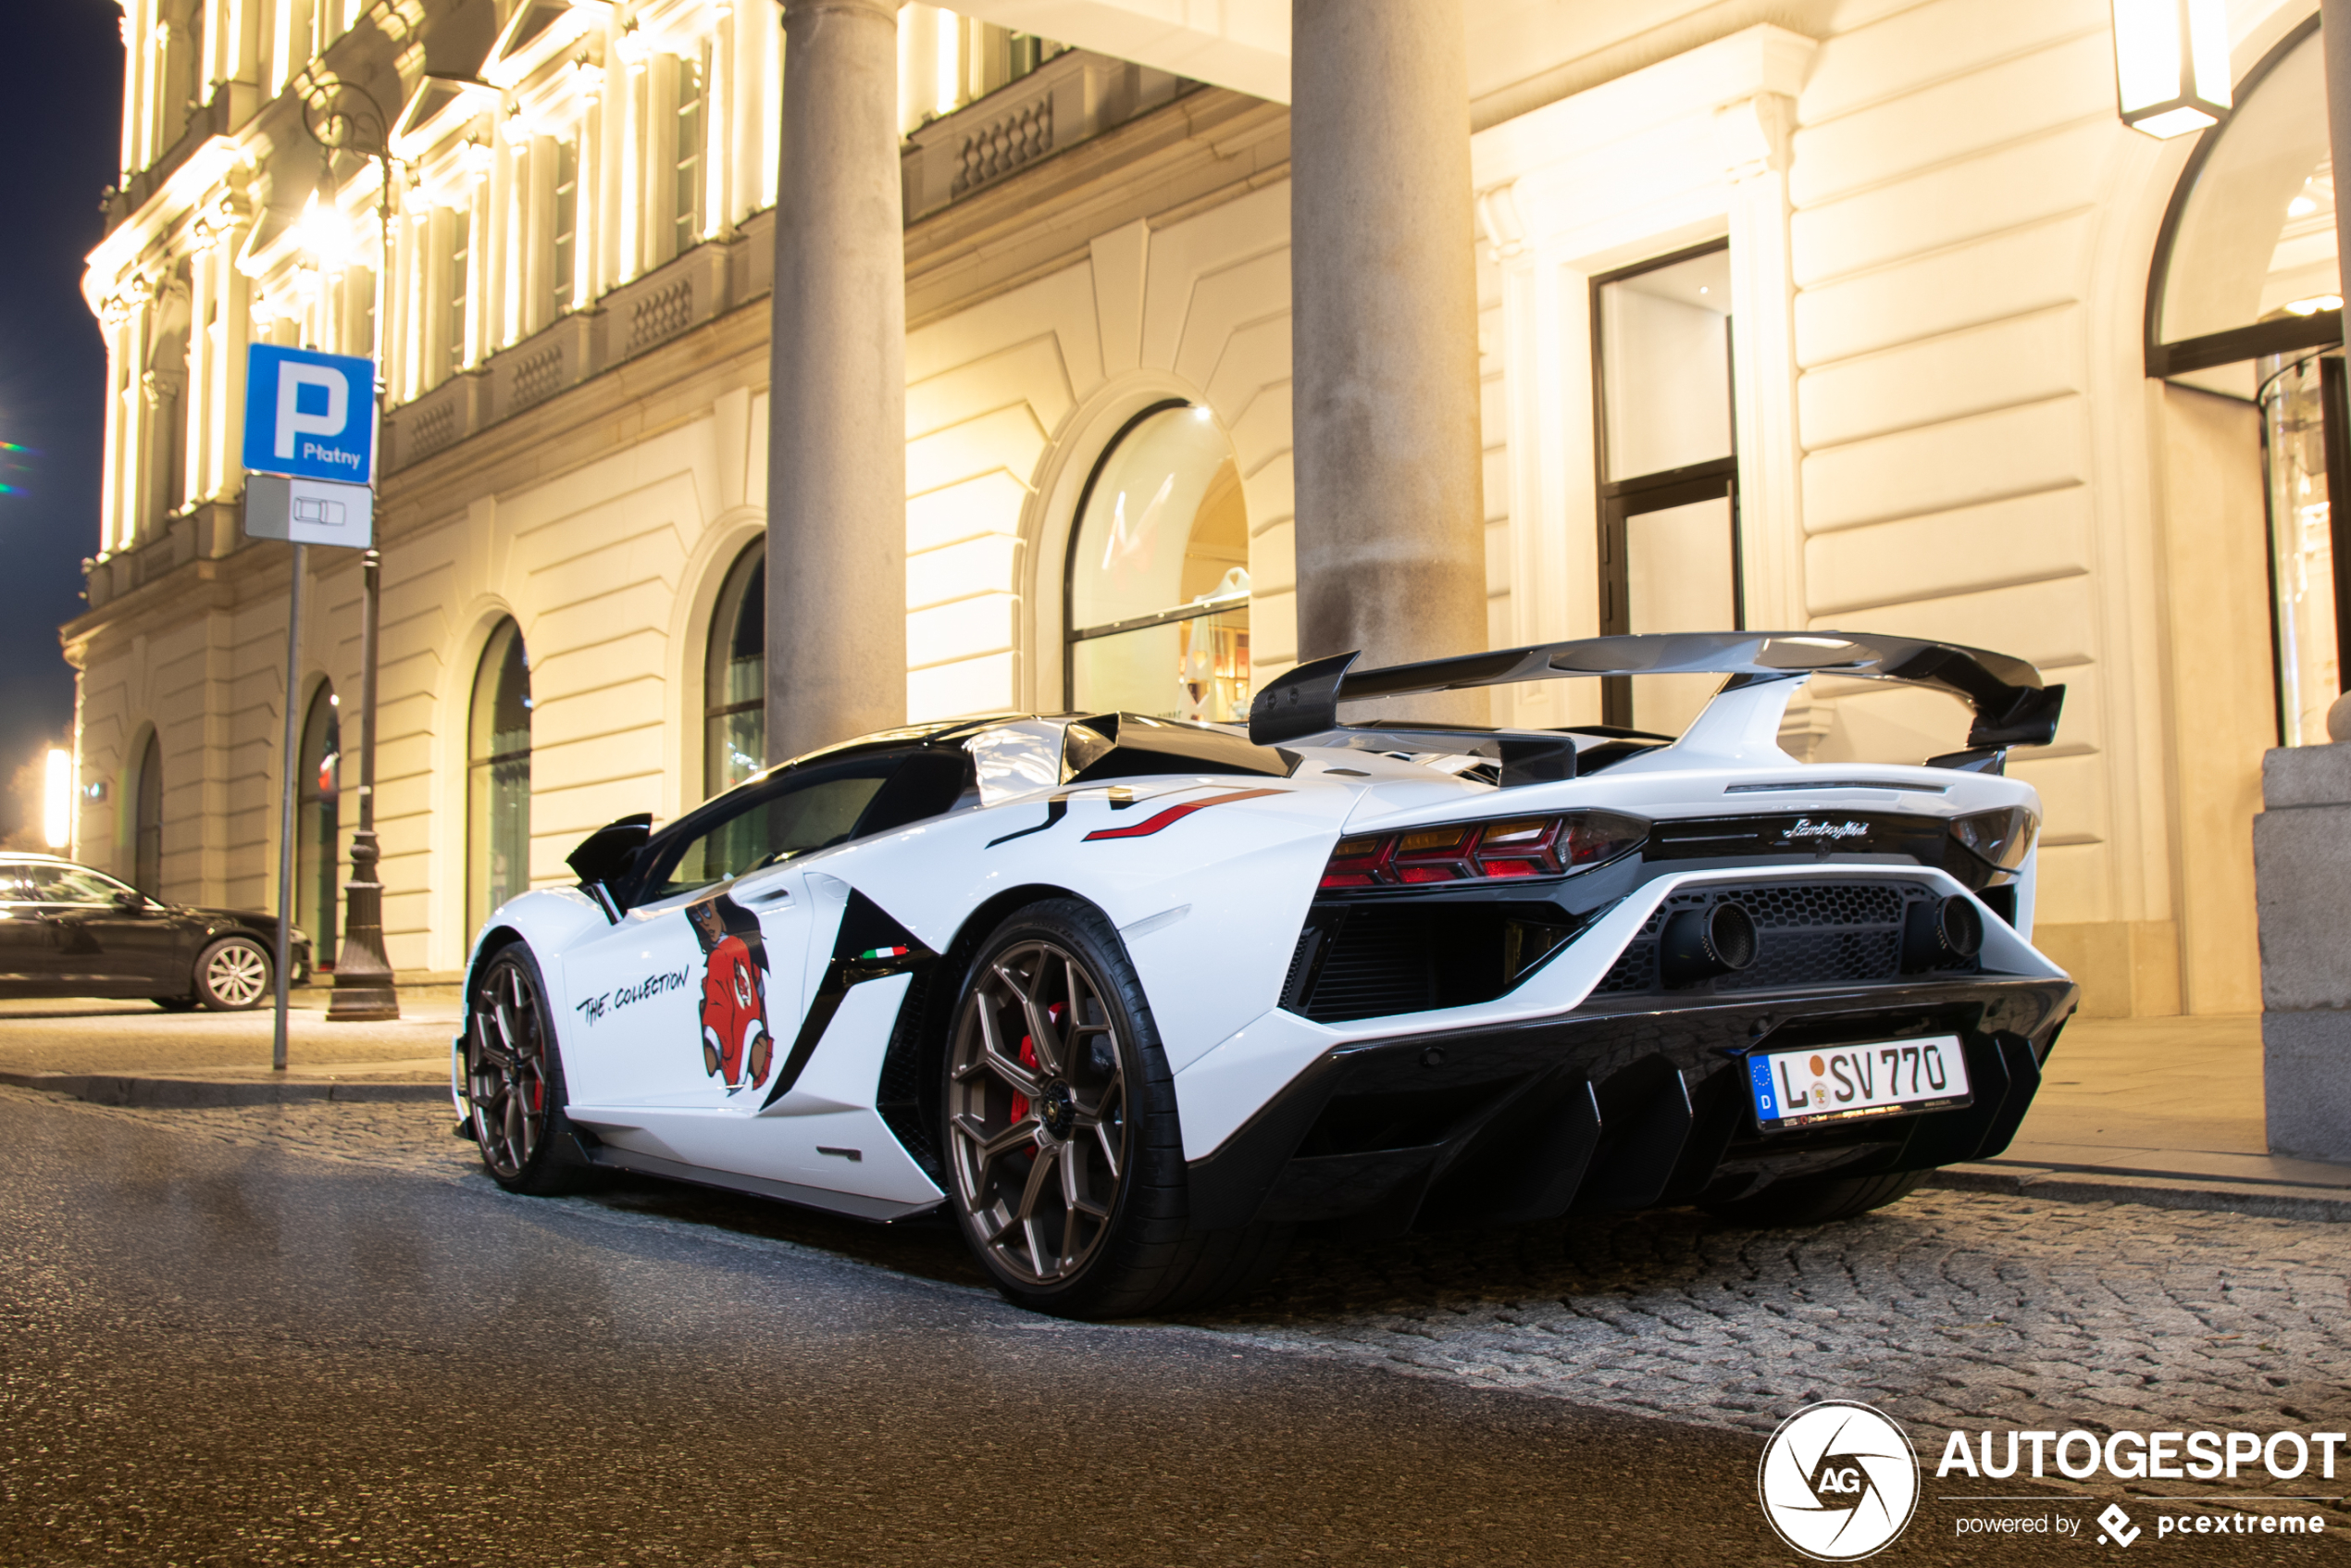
(461, 249)
(566, 226)
(1669, 474)
(686, 193)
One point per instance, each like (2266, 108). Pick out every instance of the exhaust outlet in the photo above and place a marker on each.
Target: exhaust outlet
(1946, 931)
(1698, 944)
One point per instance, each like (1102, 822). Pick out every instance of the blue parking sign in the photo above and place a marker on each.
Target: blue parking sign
(311, 416)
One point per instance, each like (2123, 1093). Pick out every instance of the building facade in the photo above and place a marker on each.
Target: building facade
(1861, 314)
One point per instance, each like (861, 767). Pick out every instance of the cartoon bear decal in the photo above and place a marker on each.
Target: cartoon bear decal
(735, 1036)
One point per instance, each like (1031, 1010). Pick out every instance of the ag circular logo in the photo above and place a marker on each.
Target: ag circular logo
(1839, 1481)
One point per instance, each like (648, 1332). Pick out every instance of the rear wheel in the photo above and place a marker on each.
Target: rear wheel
(515, 1080)
(232, 974)
(1818, 1199)
(1065, 1160)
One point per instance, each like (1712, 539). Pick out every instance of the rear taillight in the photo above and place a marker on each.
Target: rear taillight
(1484, 851)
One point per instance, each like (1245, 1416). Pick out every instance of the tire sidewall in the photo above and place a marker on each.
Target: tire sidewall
(203, 984)
(556, 1165)
(1151, 1132)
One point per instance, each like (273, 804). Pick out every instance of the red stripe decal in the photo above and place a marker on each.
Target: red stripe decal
(1174, 814)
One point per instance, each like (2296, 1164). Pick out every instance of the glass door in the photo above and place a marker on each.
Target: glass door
(1669, 470)
(2305, 424)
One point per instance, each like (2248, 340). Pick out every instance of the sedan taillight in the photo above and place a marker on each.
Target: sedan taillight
(1484, 851)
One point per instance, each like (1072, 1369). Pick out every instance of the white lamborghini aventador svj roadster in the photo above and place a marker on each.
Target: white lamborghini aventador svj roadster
(1136, 999)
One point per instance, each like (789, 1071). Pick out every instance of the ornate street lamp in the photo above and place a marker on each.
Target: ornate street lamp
(2171, 64)
(344, 117)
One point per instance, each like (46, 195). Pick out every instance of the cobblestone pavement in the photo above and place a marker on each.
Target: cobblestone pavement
(1949, 1308)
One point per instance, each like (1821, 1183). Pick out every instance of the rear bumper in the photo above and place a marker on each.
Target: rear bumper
(1615, 1106)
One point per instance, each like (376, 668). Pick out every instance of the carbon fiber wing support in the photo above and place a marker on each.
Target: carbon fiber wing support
(2012, 707)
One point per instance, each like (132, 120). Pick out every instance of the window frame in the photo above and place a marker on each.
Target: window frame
(563, 226)
(1073, 634)
(2318, 329)
(750, 561)
(1620, 500)
(480, 827)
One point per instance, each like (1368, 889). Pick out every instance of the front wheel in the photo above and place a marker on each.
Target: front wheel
(515, 1080)
(1065, 1160)
(232, 974)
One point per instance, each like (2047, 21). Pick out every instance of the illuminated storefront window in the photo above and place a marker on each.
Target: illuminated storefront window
(498, 782)
(1159, 575)
(734, 677)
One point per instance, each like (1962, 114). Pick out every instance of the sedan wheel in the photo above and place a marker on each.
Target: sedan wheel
(1038, 1113)
(232, 974)
(514, 1079)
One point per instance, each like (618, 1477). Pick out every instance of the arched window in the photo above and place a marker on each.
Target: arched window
(318, 817)
(1159, 574)
(146, 829)
(2246, 300)
(498, 803)
(735, 676)
(2245, 266)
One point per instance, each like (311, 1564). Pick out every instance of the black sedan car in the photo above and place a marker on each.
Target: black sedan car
(67, 930)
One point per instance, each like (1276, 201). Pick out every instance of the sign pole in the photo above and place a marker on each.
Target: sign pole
(286, 804)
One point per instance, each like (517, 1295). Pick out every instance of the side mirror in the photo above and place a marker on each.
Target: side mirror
(606, 852)
(128, 900)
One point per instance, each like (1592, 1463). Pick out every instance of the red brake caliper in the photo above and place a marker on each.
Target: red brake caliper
(1028, 1059)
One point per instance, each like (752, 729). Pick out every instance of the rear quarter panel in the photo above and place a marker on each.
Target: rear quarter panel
(1209, 902)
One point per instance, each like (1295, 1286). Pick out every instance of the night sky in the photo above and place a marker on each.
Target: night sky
(60, 136)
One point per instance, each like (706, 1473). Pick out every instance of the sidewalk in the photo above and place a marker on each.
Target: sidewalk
(2164, 1111)
(132, 1054)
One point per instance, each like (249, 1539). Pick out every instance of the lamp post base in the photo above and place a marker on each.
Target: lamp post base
(364, 991)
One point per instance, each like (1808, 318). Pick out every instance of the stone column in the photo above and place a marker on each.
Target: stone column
(837, 431)
(1391, 530)
(2302, 878)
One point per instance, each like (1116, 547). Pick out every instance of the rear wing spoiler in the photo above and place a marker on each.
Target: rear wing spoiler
(2012, 707)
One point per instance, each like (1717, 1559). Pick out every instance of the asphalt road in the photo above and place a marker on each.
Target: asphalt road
(217, 1353)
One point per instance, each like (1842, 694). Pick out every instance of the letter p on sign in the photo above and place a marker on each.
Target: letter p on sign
(309, 415)
(292, 381)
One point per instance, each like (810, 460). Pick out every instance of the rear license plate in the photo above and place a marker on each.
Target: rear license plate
(1886, 1078)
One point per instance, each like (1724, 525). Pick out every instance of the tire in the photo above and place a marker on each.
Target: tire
(234, 974)
(515, 1080)
(1064, 1159)
(1818, 1199)
(175, 1004)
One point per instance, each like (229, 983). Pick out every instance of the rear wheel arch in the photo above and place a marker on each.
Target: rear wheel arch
(907, 1094)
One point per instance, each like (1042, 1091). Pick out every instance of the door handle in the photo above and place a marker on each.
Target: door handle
(779, 893)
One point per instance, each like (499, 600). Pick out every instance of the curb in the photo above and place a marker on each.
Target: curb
(191, 1093)
(2268, 1200)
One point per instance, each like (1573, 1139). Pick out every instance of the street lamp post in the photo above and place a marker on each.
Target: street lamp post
(343, 117)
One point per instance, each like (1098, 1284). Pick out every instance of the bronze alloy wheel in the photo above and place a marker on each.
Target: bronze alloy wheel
(508, 1067)
(1037, 1113)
